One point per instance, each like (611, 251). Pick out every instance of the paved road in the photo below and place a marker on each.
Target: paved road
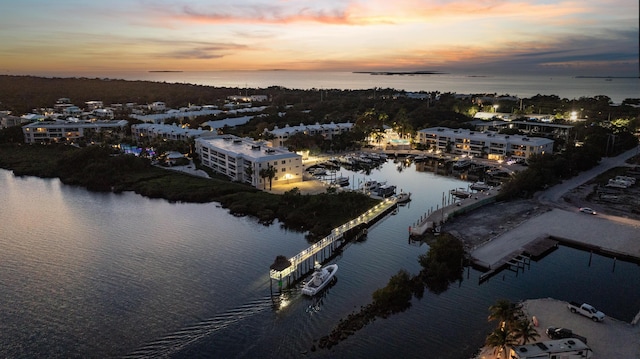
(552, 195)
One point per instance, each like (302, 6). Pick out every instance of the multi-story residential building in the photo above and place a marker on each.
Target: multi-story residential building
(327, 130)
(480, 144)
(94, 105)
(69, 130)
(169, 132)
(250, 98)
(243, 159)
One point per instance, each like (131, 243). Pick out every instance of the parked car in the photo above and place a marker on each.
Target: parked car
(586, 310)
(587, 210)
(562, 333)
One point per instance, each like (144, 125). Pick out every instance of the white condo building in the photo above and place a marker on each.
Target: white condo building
(70, 130)
(479, 143)
(169, 132)
(242, 159)
(327, 130)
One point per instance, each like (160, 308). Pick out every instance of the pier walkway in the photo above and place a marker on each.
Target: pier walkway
(331, 242)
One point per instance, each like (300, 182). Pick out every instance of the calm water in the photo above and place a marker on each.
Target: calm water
(87, 274)
(568, 87)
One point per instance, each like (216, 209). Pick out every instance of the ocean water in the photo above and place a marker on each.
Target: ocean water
(523, 86)
(86, 274)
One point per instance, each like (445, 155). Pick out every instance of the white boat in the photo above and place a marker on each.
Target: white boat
(480, 186)
(319, 279)
(461, 193)
(463, 163)
(372, 186)
(318, 171)
(403, 197)
(341, 181)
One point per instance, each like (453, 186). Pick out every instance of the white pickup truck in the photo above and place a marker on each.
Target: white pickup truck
(586, 310)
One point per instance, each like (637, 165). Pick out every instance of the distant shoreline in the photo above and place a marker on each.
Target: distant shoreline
(607, 77)
(165, 70)
(391, 73)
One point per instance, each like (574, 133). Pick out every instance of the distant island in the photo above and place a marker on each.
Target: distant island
(606, 77)
(165, 71)
(389, 73)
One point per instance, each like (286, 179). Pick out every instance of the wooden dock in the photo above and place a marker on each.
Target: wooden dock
(450, 207)
(520, 259)
(304, 262)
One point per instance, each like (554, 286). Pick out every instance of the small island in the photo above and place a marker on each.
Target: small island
(391, 73)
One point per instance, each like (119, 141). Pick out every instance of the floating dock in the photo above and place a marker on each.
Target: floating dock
(302, 263)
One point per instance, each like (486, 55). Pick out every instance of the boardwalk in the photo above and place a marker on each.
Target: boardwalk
(332, 241)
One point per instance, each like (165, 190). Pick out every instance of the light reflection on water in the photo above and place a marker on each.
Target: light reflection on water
(93, 274)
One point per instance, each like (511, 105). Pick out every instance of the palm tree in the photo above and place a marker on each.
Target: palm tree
(502, 311)
(264, 173)
(500, 339)
(268, 173)
(524, 330)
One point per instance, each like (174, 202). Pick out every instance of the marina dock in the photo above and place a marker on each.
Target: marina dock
(302, 263)
(433, 218)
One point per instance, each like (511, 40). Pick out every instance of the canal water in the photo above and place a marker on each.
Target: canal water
(86, 274)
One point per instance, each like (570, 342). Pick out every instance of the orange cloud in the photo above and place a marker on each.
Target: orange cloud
(373, 12)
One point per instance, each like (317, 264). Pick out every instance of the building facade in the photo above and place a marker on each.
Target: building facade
(326, 130)
(68, 130)
(491, 145)
(168, 132)
(243, 160)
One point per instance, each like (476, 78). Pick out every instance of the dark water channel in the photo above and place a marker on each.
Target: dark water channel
(87, 274)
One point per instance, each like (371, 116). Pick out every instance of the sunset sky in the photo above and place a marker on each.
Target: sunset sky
(586, 37)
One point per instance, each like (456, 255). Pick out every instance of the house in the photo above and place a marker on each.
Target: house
(481, 143)
(569, 348)
(243, 160)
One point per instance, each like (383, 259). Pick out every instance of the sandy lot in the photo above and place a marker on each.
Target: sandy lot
(609, 339)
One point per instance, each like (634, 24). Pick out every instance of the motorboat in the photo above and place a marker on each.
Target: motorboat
(319, 171)
(480, 186)
(461, 193)
(319, 279)
(372, 186)
(341, 181)
(386, 190)
(403, 197)
(462, 163)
